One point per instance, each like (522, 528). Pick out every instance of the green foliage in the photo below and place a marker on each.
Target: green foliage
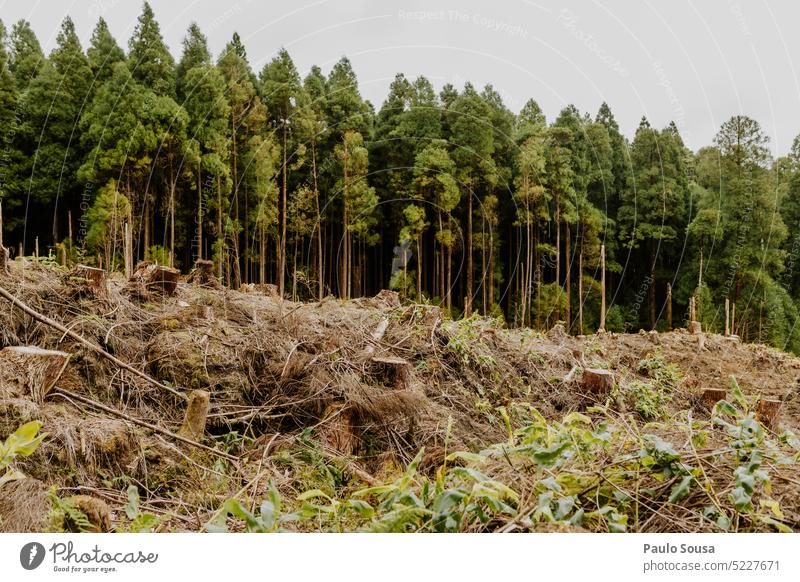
(65, 516)
(21, 443)
(267, 520)
(140, 522)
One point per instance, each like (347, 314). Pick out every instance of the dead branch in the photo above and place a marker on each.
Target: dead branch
(83, 341)
(71, 395)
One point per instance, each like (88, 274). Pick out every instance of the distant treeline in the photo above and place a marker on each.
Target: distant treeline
(448, 197)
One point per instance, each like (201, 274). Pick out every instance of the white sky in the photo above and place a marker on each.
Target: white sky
(696, 63)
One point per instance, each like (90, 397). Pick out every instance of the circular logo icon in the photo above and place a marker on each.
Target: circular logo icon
(31, 555)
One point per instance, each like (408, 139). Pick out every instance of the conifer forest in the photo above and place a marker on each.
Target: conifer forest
(247, 298)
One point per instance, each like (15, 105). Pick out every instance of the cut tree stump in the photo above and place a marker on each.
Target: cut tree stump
(339, 429)
(711, 396)
(203, 275)
(194, 421)
(396, 369)
(597, 381)
(28, 370)
(695, 327)
(148, 277)
(91, 279)
(767, 412)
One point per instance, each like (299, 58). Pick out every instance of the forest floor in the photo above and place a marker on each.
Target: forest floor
(370, 414)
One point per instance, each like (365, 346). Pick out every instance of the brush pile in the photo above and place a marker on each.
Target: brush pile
(369, 414)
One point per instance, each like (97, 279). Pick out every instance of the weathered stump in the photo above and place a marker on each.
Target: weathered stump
(203, 275)
(268, 289)
(396, 369)
(597, 381)
(711, 396)
(767, 412)
(90, 279)
(386, 298)
(148, 278)
(27, 370)
(194, 421)
(695, 327)
(339, 429)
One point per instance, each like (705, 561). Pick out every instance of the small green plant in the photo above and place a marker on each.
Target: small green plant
(22, 443)
(65, 516)
(268, 520)
(139, 522)
(648, 399)
(665, 374)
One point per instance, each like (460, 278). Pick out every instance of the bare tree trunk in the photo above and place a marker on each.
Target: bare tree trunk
(568, 274)
(320, 263)
(652, 289)
(419, 267)
(199, 212)
(580, 290)
(602, 288)
(470, 274)
(282, 257)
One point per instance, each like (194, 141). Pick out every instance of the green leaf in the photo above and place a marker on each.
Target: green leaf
(563, 507)
(680, 489)
(313, 494)
(550, 455)
(363, 508)
(132, 507)
(741, 500)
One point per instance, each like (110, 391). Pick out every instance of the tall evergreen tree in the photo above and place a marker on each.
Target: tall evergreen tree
(26, 54)
(149, 58)
(103, 54)
(472, 139)
(280, 87)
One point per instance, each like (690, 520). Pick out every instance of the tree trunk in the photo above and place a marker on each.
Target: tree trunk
(580, 290)
(320, 263)
(568, 274)
(652, 290)
(220, 237)
(282, 258)
(171, 218)
(470, 274)
(199, 212)
(419, 267)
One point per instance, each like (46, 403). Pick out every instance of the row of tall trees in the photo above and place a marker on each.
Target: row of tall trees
(448, 196)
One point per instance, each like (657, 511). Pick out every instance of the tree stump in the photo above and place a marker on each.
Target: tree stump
(203, 275)
(27, 370)
(268, 289)
(597, 381)
(396, 369)
(767, 412)
(695, 327)
(90, 279)
(194, 421)
(711, 396)
(148, 277)
(339, 429)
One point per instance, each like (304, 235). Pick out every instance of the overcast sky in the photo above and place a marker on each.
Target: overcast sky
(696, 63)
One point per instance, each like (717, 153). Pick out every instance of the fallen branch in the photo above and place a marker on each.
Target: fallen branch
(71, 395)
(83, 341)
